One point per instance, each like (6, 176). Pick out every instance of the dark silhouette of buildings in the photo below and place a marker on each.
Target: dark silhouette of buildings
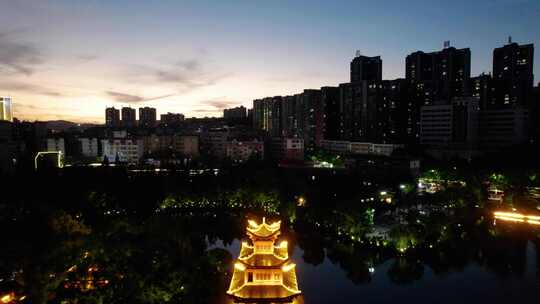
(147, 117)
(439, 75)
(513, 74)
(171, 119)
(437, 104)
(366, 68)
(331, 117)
(235, 113)
(112, 117)
(129, 117)
(267, 115)
(482, 88)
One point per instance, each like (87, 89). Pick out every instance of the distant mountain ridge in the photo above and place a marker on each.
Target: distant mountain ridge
(63, 125)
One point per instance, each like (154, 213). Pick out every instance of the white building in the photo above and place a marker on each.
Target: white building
(123, 150)
(243, 150)
(56, 144)
(336, 146)
(89, 147)
(363, 148)
(6, 108)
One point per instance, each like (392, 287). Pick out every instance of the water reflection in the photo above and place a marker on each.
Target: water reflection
(188, 258)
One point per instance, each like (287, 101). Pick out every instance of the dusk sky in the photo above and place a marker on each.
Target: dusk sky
(71, 59)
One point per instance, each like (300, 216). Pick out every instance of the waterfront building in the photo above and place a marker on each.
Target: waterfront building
(263, 272)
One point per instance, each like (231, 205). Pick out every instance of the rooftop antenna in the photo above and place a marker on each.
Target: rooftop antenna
(509, 39)
(446, 44)
(358, 53)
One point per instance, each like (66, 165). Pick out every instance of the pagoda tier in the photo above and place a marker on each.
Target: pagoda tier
(263, 272)
(263, 231)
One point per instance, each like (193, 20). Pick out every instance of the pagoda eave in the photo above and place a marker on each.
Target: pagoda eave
(288, 299)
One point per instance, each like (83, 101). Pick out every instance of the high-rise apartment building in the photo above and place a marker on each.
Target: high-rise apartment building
(481, 87)
(441, 75)
(366, 68)
(331, 117)
(289, 115)
(112, 117)
(6, 108)
(375, 111)
(147, 117)
(513, 74)
(129, 118)
(267, 115)
(313, 119)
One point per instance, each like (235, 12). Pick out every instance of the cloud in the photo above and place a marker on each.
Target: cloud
(182, 76)
(215, 105)
(190, 65)
(129, 98)
(222, 104)
(18, 57)
(86, 58)
(27, 88)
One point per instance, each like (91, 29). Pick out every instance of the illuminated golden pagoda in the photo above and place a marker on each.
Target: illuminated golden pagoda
(263, 272)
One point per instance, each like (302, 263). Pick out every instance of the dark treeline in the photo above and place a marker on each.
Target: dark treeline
(109, 235)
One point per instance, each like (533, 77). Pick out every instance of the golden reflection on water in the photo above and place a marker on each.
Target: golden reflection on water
(297, 300)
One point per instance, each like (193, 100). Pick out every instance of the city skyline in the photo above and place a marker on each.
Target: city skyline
(58, 62)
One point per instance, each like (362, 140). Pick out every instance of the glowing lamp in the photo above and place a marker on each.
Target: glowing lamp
(7, 298)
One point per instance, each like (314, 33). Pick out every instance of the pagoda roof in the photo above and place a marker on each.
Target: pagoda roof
(250, 258)
(263, 230)
(263, 261)
(288, 288)
(264, 293)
